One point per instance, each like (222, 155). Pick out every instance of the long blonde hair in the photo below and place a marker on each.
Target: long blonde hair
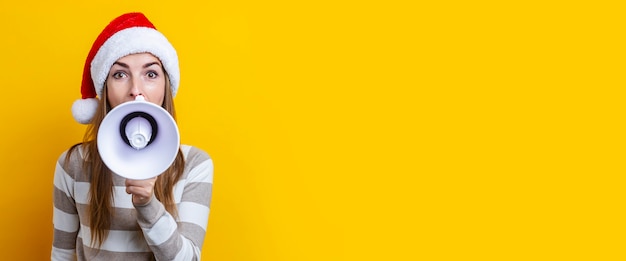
(100, 209)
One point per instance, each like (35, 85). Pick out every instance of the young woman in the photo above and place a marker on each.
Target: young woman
(99, 215)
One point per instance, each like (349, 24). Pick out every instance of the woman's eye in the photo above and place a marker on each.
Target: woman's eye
(118, 75)
(152, 75)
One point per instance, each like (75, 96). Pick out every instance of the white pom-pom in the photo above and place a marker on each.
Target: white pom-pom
(83, 110)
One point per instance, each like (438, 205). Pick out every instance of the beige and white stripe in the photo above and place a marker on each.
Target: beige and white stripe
(137, 233)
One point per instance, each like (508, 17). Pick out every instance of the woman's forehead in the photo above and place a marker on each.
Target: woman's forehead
(140, 57)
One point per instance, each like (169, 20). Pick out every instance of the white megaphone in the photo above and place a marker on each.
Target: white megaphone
(138, 139)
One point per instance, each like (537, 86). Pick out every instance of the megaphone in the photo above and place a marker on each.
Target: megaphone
(138, 139)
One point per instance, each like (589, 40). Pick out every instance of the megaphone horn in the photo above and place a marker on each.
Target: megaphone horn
(138, 139)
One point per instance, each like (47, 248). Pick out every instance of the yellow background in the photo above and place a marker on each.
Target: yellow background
(353, 130)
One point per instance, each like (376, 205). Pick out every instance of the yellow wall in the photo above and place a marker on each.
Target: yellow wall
(353, 130)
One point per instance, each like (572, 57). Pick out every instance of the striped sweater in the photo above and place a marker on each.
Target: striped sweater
(137, 233)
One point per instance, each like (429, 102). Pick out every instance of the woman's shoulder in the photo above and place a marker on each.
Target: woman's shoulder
(197, 161)
(75, 153)
(194, 153)
(71, 160)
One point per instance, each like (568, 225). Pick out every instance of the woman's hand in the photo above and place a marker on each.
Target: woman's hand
(142, 190)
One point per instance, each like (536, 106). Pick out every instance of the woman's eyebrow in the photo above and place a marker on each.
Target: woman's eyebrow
(150, 64)
(122, 64)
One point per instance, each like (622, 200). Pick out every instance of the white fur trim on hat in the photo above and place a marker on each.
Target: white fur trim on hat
(130, 41)
(83, 110)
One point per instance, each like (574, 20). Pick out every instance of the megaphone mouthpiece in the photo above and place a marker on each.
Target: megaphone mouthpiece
(138, 129)
(138, 132)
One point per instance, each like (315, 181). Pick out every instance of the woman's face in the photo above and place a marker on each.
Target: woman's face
(136, 74)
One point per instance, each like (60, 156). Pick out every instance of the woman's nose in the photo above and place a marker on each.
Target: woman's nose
(136, 88)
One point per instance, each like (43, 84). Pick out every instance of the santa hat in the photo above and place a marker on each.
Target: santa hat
(127, 34)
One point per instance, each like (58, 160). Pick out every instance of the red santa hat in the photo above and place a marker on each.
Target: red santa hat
(127, 34)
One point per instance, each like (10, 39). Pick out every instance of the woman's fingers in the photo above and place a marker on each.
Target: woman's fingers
(142, 190)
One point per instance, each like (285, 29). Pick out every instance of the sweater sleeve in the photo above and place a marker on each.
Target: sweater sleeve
(170, 239)
(65, 216)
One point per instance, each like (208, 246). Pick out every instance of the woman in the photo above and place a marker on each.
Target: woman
(99, 215)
